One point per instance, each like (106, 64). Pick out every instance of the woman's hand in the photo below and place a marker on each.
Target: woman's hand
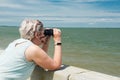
(57, 35)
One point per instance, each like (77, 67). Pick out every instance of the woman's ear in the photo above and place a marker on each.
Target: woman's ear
(36, 35)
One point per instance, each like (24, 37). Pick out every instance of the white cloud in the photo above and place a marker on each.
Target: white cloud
(105, 20)
(48, 10)
(87, 0)
(11, 5)
(91, 23)
(6, 20)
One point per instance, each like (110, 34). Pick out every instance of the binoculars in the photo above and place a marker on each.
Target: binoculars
(48, 32)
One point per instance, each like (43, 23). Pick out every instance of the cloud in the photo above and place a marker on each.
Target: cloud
(15, 6)
(6, 20)
(105, 20)
(56, 1)
(59, 11)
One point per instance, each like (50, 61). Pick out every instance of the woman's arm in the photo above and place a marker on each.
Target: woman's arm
(40, 57)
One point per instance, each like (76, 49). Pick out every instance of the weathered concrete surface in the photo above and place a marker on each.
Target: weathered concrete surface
(70, 73)
(41, 74)
(66, 72)
(91, 75)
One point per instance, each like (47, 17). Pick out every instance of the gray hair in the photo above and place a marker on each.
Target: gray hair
(29, 27)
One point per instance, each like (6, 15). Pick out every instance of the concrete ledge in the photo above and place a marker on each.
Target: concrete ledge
(69, 73)
(90, 75)
(66, 72)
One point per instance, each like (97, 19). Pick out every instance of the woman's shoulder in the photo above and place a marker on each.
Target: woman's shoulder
(32, 51)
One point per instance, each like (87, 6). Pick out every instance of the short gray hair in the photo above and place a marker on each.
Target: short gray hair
(28, 28)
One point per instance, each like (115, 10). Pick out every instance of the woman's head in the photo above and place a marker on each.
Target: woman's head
(29, 27)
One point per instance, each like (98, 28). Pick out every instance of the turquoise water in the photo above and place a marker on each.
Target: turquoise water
(96, 49)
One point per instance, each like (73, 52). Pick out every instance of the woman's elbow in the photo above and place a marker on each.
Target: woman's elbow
(55, 67)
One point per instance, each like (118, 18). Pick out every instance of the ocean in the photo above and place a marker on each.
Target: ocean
(96, 49)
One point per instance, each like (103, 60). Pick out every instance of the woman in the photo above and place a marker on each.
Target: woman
(19, 59)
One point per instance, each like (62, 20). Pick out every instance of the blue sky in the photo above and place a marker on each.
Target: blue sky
(62, 13)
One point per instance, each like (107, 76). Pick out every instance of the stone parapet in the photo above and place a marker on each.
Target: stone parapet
(69, 73)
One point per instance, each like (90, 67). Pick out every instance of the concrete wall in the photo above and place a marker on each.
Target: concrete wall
(69, 73)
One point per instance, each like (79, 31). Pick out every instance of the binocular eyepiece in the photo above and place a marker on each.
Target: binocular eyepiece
(48, 32)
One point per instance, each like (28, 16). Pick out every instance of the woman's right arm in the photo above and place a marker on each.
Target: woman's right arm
(40, 57)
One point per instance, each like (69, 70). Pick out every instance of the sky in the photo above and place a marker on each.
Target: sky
(62, 13)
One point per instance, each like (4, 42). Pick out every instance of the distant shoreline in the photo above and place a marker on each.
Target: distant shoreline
(72, 27)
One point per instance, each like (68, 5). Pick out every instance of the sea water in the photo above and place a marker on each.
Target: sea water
(96, 49)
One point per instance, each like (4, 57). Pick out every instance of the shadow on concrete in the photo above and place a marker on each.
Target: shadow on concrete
(40, 74)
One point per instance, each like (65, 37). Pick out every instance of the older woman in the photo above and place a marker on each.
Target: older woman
(20, 57)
